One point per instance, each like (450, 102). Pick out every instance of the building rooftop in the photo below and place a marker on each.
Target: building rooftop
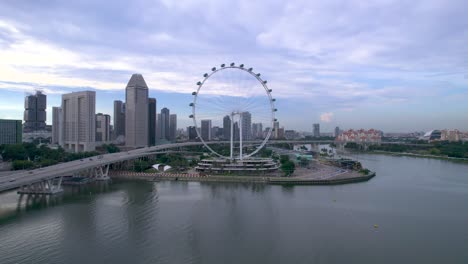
(137, 80)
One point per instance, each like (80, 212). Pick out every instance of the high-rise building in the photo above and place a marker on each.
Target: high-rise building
(11, 131)
(281, 133)
(151, 121)
(192, 133)
(79, 121)
(102, 128)
(215, 132)
(56, 125)
(136, 112)
(337, 131)
(236, 131)
(35, 112)
(158, 127)
(227, 128)
(316, 132)
(119, 118)
(206, 130)
(172, 126)
(165, 126)
(246, 126)
(276, 127)
(257, 130)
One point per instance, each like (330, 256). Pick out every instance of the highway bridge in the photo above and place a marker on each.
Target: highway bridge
(47, 180)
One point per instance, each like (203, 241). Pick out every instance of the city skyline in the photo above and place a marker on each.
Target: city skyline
(351, 72)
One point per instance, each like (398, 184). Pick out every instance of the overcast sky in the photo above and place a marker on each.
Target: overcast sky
(390, 65)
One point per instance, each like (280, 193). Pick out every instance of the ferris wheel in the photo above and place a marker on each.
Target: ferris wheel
(233, 104)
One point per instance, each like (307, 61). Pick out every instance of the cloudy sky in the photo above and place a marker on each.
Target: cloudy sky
(390, 65)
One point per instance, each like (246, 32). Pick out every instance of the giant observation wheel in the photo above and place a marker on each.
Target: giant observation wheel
(239, 104)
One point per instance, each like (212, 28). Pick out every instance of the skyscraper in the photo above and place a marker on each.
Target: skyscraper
(227, 127)
(158, 127)
(35, 112)
(165, 126)
(79, 121)
(276, 127)
(206, 129)
(316, 130)
(257, 130)
(119, 118)
(151, 121)
(172, 126)
(102, 128)
(192, 133)
(246, 126)
(136, 112)
(236, 131)
(56, 125)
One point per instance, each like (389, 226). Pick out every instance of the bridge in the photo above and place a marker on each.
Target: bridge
(47, 180)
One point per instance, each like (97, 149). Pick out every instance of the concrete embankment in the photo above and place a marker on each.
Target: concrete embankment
(237, 179)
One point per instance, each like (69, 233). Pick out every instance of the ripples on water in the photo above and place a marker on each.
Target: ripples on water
(419, 206)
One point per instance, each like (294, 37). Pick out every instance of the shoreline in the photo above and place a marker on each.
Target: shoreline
(155, 177)
(415, 155)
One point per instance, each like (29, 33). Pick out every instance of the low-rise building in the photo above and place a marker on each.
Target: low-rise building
(451, 135)
(371, 136)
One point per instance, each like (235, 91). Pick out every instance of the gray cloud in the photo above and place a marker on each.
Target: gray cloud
(335, 54)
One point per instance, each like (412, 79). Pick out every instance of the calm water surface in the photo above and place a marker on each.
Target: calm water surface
(419, 205)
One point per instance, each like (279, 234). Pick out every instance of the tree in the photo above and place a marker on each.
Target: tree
(111, 148)
(288, 167)
(140, 165)
(14, 152)
(22, 164)
(284, 158)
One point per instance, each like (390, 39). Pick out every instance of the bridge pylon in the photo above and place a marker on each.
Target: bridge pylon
(45, 187)
(101, 173)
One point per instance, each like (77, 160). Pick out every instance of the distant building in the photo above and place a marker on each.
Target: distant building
(102, 128)
(165, 126)
(11, 131)
(451, 135)
(119, 118)
(35, 112)
(206, 130)
(291, 134)
(172, 126)
(215, 132)
(151, 121)
(79, 121)
(56, 125)
(192, 133)
(246, 126)
(433, 135)
(257, 130)
(360, 136)
(136, 112)
(236, 131)
(337, 131)
(227, 128)
(281, 133)
(276, 127)
(158, 127)
(316, 131)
